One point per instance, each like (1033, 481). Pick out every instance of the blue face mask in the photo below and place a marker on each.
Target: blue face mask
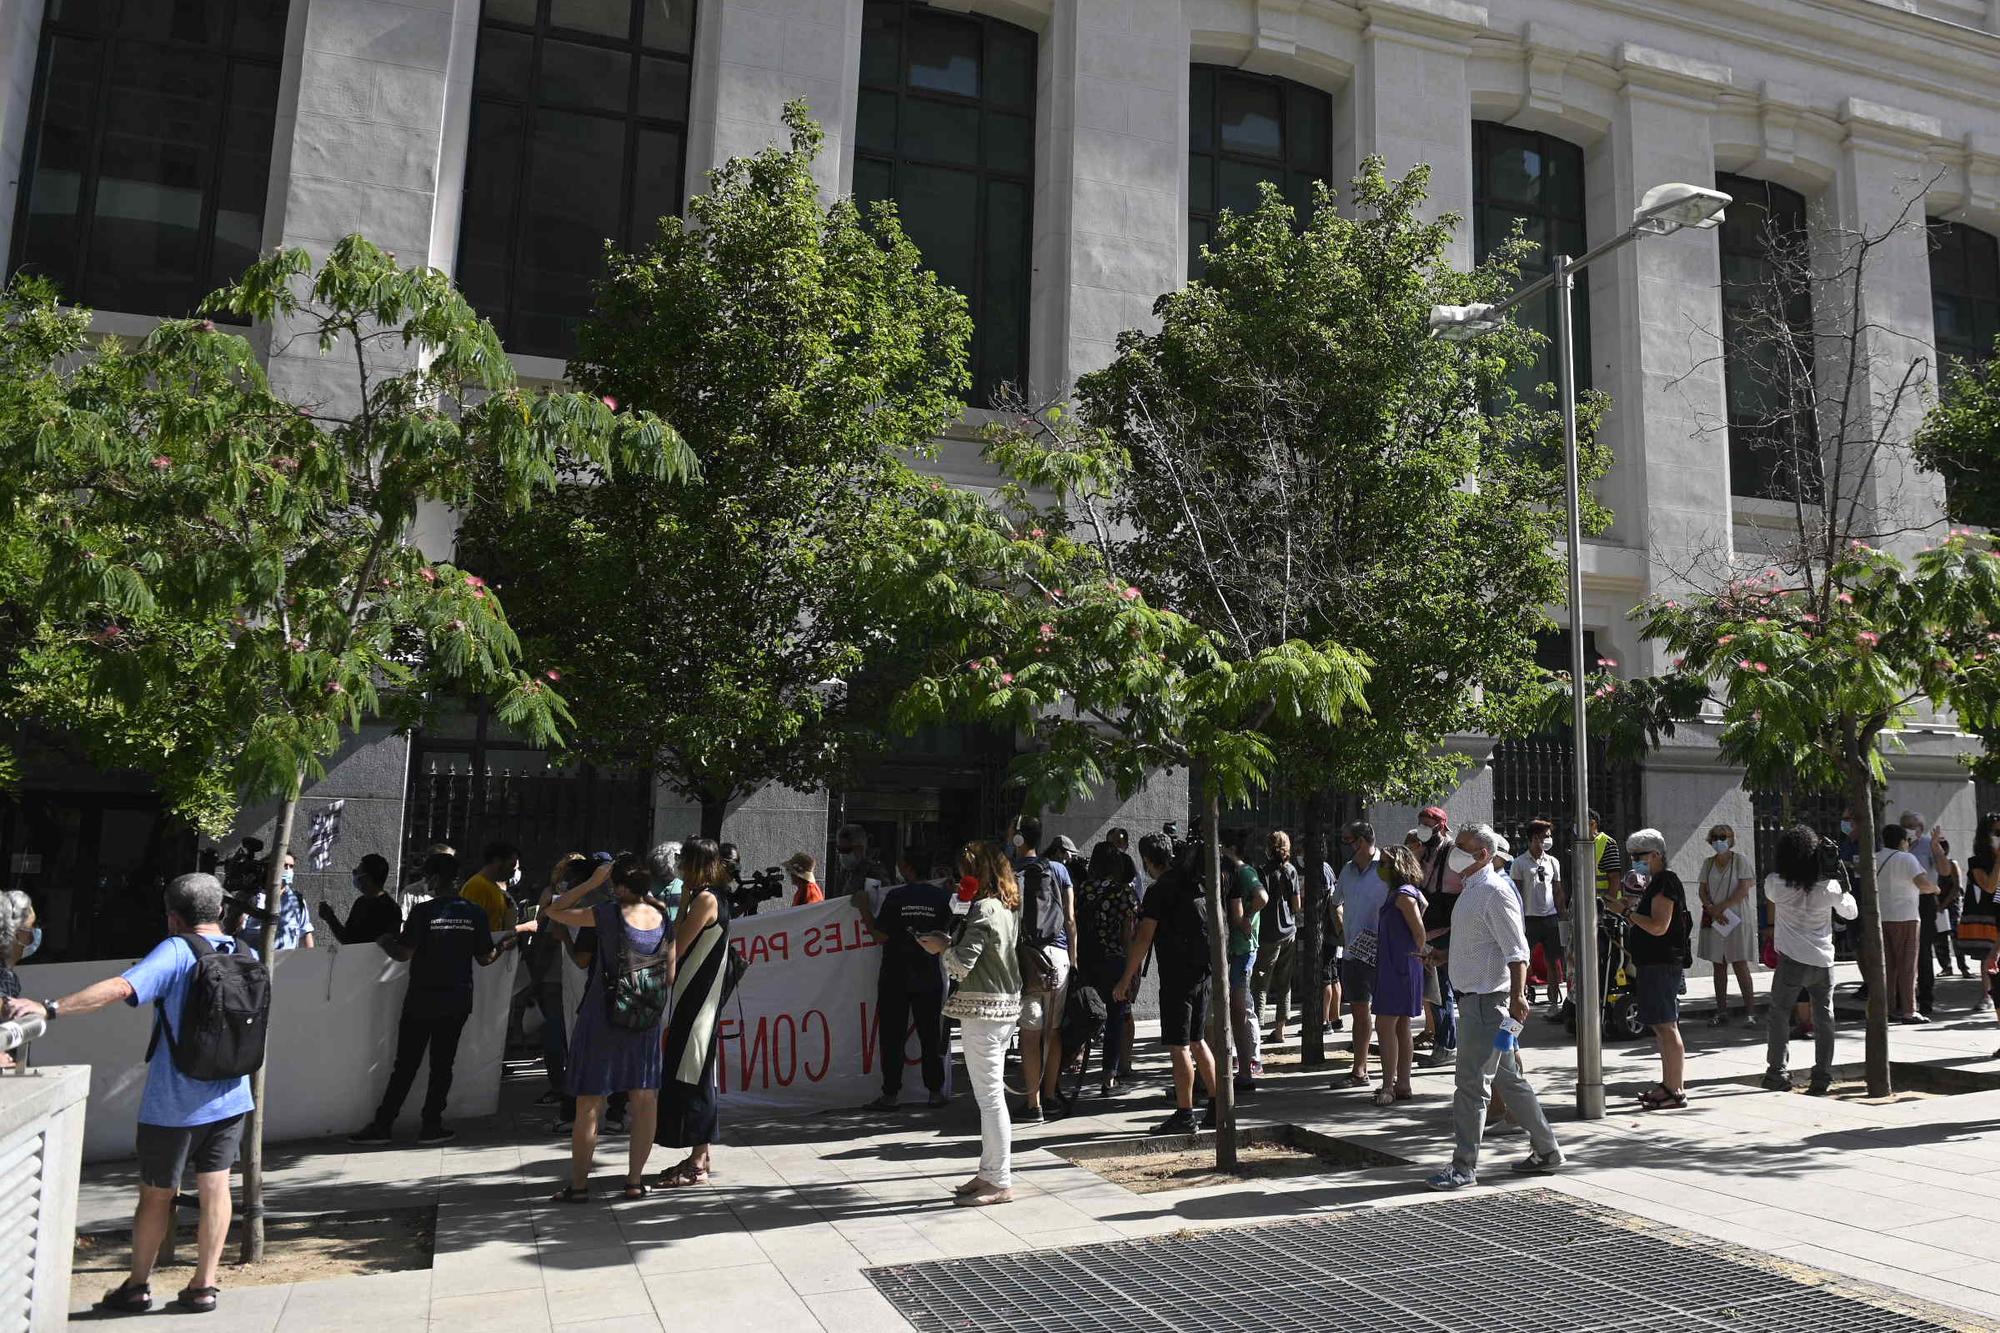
(34, 943)
(285, 877)
(1847, 826)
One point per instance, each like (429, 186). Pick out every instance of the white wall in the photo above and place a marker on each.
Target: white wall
(333, 1039)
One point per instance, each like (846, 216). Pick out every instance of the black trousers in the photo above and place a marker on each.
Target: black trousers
(437, 1034)
(1927, 944)
(895, 1004)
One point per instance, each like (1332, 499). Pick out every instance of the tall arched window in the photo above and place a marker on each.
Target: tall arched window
(149, 149)
(1243, 130)
(1536, 180)
(1965, 295)
(579, 135)
(946, 128)
(1767, 341)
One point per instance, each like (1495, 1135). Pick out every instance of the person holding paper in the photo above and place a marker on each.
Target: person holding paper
(1728, 921)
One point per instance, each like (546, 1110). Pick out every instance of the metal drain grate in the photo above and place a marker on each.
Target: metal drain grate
(1530, 1260)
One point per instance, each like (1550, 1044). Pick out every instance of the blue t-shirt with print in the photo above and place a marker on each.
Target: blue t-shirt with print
(172, 1099)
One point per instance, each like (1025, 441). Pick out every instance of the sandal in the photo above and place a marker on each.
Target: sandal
(199, 1300)
(683, 1176)
(127, 1299)
(571, 1194)
(1404, 1093)
(1385, 1097)
(637, 1189)
(1662, 1098)
(1354, 1081)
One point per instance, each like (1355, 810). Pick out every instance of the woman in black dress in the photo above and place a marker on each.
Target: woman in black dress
(701, 949)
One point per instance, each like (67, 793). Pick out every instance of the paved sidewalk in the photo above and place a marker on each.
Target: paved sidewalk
(1906, 1195)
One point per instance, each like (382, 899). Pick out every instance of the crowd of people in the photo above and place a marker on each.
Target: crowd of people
(1430, 949)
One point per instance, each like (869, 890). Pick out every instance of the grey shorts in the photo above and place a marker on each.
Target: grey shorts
(166, 1151)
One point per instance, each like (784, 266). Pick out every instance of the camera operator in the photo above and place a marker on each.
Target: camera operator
(1805, 892)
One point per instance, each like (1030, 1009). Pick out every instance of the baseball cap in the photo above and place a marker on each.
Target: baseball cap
(1062, 844)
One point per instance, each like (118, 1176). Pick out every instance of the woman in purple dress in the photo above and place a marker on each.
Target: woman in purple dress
(614, 1047)
(1399, 971)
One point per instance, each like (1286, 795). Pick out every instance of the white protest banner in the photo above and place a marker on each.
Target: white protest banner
(799, 1033)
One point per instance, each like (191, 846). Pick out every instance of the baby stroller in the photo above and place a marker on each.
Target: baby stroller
(1618, 981)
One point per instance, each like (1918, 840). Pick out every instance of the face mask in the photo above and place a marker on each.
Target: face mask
(1847, 826)
(1427, 834)
(514, 879)
(1459, 861)
(1721, 846)
(34, 943)
(285, 876)
(1994, 841)
(359, 881)
(848, 860)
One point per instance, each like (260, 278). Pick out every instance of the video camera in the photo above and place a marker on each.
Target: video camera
(242, 874)
(745, 895)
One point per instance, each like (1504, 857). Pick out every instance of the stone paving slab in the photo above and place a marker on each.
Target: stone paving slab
(1904, 1195)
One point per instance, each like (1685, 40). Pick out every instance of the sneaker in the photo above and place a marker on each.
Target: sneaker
(1337, 1025)
(1443, 1055)
(1180, 1122)
(1030, 1115)
(1422, 1041)
(1775, 1083)
(1246, 1085)
(1541, 1163)
(430, 1136)
(1500, 1129)
(1555, 1011)
(1821, 1085)
(1451, 1178)
(1718, 1018)
(562, 1126)
(937, 1099)
(888, 1101)
(1208, 1114)
(549, 1098)
(371, 1136)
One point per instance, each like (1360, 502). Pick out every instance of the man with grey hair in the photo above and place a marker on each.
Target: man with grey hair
(1488, 968)
(665, 860)
(183, 1121)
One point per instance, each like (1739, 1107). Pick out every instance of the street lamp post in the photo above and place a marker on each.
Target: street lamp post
(1664, 210)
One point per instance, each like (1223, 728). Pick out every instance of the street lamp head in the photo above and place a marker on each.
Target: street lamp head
(1668, 208)
(1461, 323)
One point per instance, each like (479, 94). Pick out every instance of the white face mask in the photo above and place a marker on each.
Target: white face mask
(1721, 846)
(514, 880)
(1459, 861)
(1425, 833)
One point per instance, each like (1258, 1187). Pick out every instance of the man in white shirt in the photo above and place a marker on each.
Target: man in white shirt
(1538, 878)
(1901, 885)
(1488, 968)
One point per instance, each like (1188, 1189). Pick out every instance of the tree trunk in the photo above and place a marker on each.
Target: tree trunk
(253, 1146)
(1861, 791)
(1312, 938)
(712, 811)
(1221, 1038)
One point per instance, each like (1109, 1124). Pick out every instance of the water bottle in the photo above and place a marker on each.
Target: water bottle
(1508, 1038)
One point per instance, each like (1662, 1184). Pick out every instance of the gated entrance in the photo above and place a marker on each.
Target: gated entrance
(472, 782)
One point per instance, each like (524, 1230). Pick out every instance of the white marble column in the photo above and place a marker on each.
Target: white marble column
(753, 56)
(1110, 195)
(1878, 196)
(1412, 104)
(1656, 317)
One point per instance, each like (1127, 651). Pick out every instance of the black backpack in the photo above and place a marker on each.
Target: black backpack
(1185, 947)
(226, 1017)
(1042, 915)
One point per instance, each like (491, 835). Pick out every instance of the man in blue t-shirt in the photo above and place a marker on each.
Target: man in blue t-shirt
(182, 1121)
(442, 939)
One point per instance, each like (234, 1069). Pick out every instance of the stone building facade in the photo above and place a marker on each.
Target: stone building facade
(1060, 160)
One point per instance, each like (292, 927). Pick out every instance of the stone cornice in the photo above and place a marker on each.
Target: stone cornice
(1451, 21)
(1889, 129)
(1667, 72)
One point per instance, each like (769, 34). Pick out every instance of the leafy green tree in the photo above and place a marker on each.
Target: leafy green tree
(188, 528)
(1960, 441)
(1292, 456)
(752, 630)
(1813, 676)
